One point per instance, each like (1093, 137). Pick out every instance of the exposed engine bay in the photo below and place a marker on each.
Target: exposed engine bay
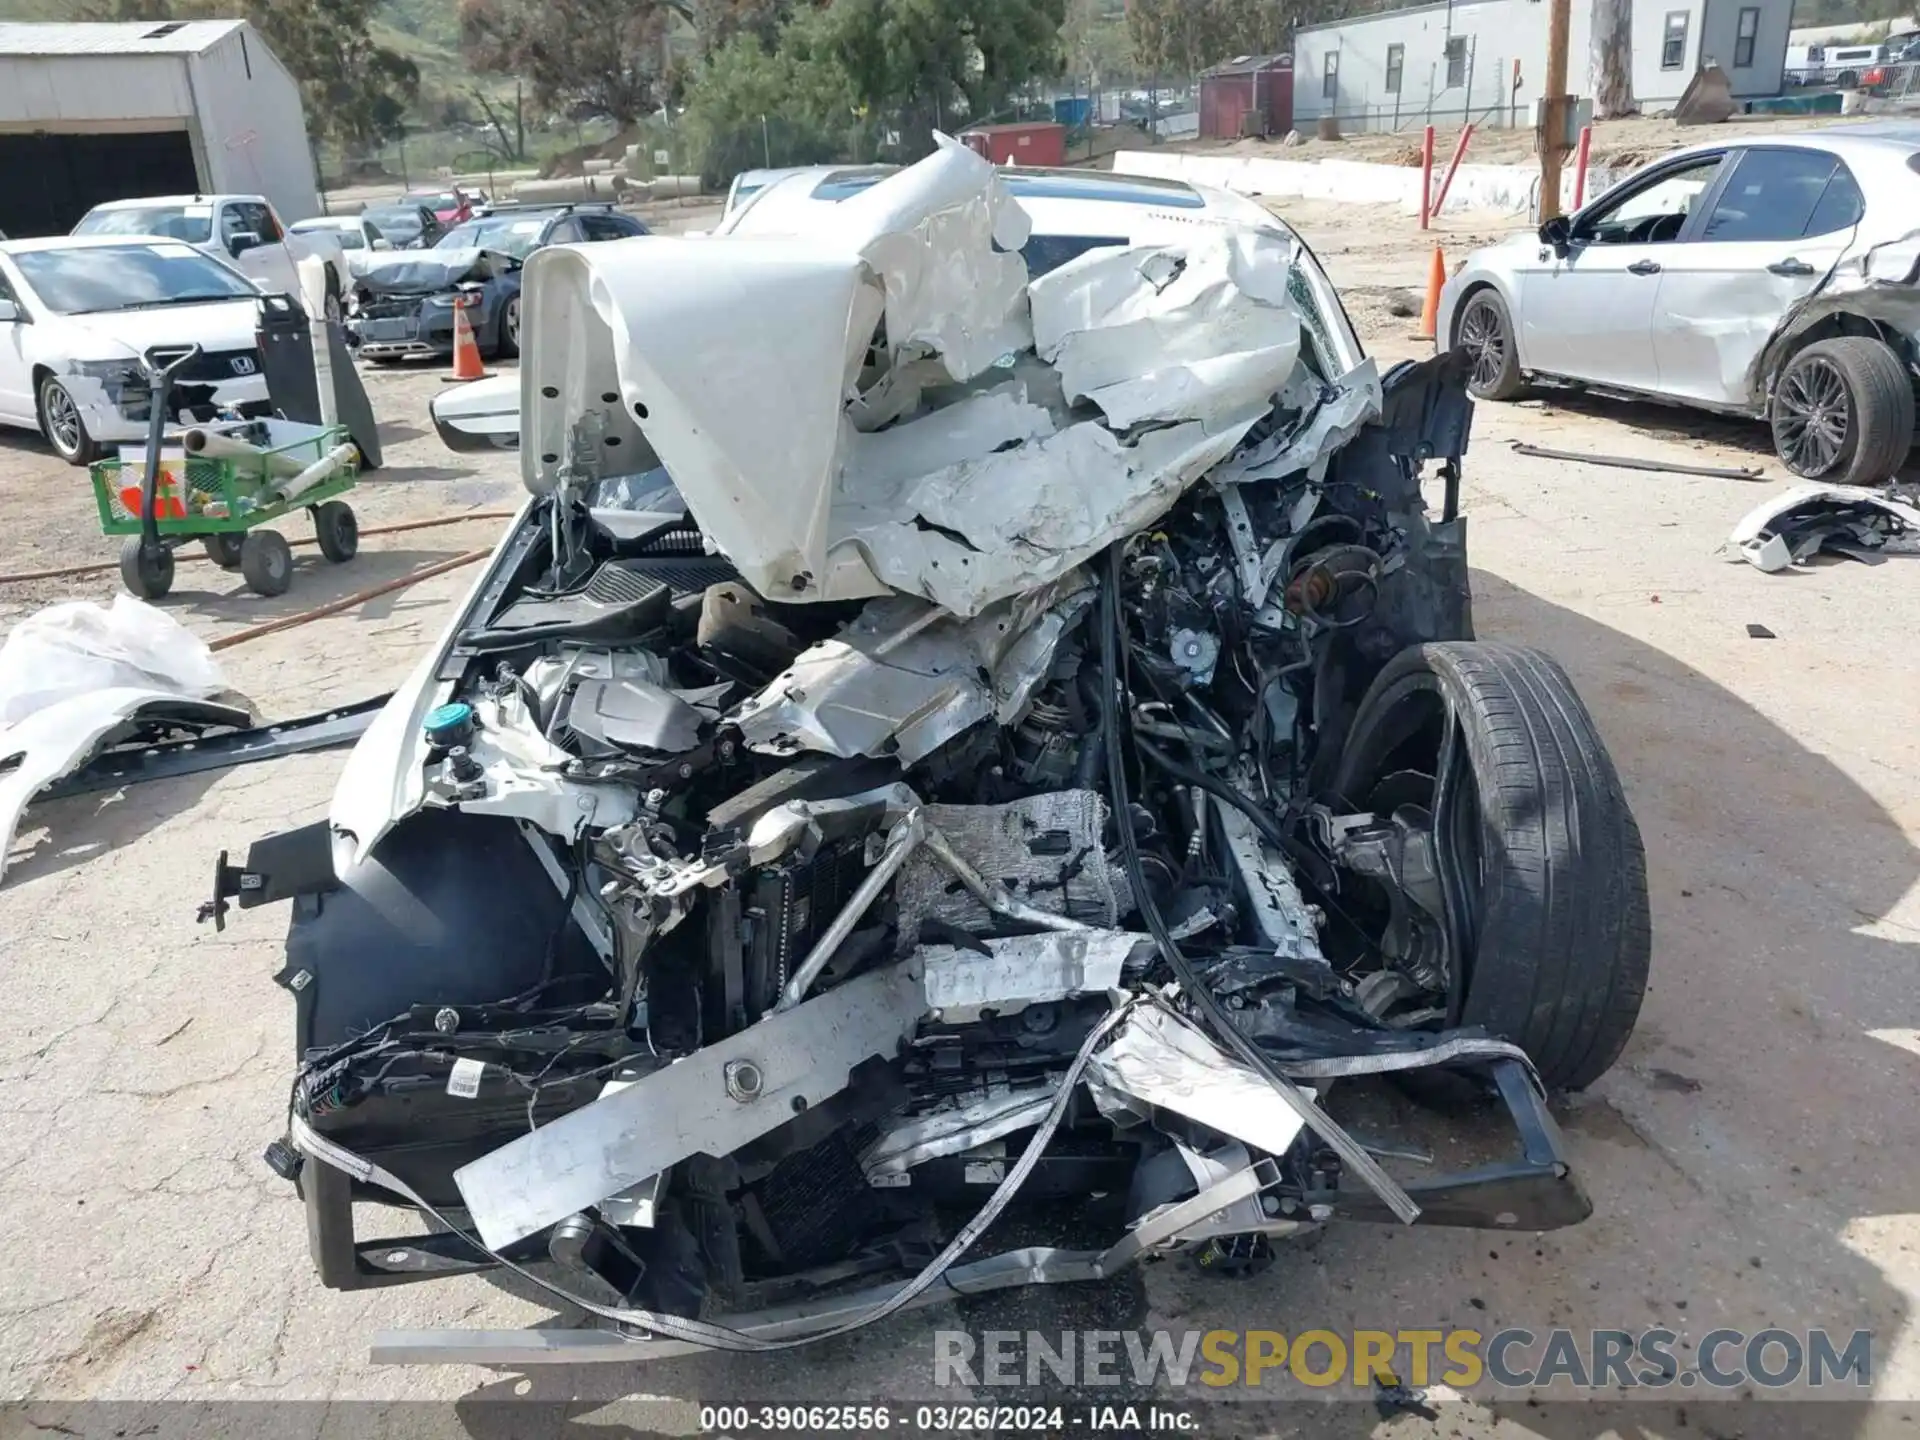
(747, 952)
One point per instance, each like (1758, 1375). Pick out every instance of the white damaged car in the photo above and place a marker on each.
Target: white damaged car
(949, 736)
(76, 314)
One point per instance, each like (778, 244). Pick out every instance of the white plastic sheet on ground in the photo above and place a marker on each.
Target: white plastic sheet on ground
(78, 648)
(71, 674)
(866, 394)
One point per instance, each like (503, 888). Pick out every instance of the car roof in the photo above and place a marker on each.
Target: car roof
(142, 202)
(1058, 201)
(86, 242)
(315, 222)
(1875, 140)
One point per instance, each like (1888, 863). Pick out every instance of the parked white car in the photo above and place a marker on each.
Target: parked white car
(1773, 278)
(359, 238)
(243, 230)
(76, 313)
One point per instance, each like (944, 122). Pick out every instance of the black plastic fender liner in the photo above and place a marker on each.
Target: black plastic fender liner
(450, 909)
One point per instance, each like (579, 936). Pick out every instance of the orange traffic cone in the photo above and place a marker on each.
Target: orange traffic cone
(1430, 312)
(466, 350)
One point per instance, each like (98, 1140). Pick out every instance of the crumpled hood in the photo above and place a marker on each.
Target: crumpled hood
(988, 438)
(222, 325)
(406, 271)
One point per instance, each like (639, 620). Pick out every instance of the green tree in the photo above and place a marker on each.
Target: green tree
(358, 90)
(943, 60)
(583, 57)
(748, 106)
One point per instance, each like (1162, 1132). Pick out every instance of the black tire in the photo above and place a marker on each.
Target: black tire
(224, 548)
(506, 340)
(148, 575)
(1560, 938)
(1485, 329)
(62, 424)
(1842, 411)
(266, 561)
(338, 532)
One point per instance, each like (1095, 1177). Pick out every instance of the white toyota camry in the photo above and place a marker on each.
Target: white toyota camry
(76, 312)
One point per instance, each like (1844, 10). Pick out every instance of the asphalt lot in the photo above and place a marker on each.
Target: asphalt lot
(1753, 1161)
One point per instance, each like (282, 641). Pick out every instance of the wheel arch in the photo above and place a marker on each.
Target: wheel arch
(1791, 339)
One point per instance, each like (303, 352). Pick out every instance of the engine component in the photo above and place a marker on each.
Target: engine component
(449, 725)
(1003, 976)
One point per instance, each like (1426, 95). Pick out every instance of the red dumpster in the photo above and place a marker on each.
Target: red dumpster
(1039, 142)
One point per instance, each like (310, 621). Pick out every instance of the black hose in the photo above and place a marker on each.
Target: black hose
(1113, 697)
(1320, 873)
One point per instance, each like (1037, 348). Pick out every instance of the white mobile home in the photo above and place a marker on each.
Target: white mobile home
(111, 112)
(1487, 59)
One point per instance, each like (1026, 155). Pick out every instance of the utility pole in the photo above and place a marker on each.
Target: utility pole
(1553, 110)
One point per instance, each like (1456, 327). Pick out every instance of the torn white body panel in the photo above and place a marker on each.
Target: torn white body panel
(1789, 527)
(788, 372)
(384, 779)
(1159, 1061)
(904, 677)
(56, 740)
(1201, 331)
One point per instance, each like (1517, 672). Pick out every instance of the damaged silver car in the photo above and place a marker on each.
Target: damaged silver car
(1776, 277)
(943, 740)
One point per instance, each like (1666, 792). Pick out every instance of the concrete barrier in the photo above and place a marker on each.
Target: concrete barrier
(571, 189)
(1504, 189)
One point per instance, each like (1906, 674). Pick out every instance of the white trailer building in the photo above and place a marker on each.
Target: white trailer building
(111, 112)
(1487, 60)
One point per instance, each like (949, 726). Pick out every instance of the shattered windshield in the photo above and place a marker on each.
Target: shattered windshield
(192, 223)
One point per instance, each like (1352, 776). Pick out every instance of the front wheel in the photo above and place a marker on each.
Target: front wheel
(1485, 332)
(509, 338)
(1519, 882)
(146, 573)
(64, 426)
(1843, 411)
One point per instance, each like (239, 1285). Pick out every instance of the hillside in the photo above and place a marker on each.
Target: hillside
(425, 31)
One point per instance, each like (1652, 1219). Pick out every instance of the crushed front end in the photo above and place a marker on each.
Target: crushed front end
(748, 933)
(403, 305)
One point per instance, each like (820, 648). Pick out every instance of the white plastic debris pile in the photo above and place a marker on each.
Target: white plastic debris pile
(924, 418)
(73, 674)
(1804, 520)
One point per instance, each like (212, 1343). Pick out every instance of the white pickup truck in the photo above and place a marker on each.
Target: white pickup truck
(243, 230)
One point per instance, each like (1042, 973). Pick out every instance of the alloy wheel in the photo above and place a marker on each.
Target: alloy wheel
(1811, 416)
(63, 418)
(1484, 338)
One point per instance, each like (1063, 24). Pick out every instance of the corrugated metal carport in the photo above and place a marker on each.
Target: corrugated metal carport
(110, 112)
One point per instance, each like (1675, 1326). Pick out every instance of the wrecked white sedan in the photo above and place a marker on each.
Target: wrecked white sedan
(943, 739)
